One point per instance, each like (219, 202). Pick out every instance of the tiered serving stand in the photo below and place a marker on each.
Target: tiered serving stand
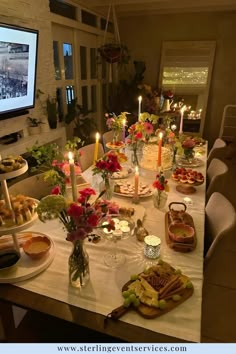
(26, 267)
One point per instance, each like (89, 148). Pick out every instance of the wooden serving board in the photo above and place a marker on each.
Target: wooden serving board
(152, 312)
(180, 246)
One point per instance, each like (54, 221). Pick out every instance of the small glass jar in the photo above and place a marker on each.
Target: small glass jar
(152, 246)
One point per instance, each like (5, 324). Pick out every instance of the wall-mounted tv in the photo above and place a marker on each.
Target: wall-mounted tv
(18, 62)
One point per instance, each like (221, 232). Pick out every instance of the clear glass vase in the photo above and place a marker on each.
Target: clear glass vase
(108, 185)
(189, 154)
(78, 265)
(136, 154)
(159, 199)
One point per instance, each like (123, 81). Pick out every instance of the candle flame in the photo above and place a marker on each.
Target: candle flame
(136, 170)
(70, 155)
(124, 122)
(161, 135)
(140, 99)
(97, 136)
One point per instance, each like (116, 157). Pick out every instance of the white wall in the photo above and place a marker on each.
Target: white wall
(33, 14)
(144, 36)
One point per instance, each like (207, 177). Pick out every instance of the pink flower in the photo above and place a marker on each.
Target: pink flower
(188, 143)
(148, 127)
(56, 190)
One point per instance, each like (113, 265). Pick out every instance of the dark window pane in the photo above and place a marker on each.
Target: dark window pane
(60, 103)
(68, 61)
(94, 98)
(104, 69)
(93, 65)
(88, 18)
(83, 62)
(61, 8)
(70, 94)
(85, 97)
(104, 97)
(110, 27)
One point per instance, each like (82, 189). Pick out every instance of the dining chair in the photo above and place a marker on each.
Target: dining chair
(87, 155)
(216, 174)
(216, 150)
(107, 137)
(220, 241)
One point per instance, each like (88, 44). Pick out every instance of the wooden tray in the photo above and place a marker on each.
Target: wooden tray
(180, 246)
(152, 312)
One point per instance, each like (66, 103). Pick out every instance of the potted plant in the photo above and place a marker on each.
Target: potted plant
(84, 125)
(34, 125)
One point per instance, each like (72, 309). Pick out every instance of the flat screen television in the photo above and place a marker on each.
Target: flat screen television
(18, 63)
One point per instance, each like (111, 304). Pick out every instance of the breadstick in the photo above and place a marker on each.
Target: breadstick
(169, 285)
(176, 291)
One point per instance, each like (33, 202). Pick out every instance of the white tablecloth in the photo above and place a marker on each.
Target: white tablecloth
(103, 293)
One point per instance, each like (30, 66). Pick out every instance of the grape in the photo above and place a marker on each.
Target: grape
(134, 277)
(189, 285)
(126, 302)
(125, 294)
(145, 271)
(136, 302)
(176, 297)
(131, 291)
(132, 297)
(160, 261)
(162, 304)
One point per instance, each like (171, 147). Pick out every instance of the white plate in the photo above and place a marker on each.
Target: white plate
(17, 228)
(132, 195)
(28, 267)
(15, 173)
(194, 163)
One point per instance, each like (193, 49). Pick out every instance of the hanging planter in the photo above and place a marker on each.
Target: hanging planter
(114, 53)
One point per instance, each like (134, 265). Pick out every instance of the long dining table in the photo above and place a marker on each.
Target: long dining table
(49, 292)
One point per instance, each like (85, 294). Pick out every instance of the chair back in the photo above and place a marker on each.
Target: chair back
(216, 176)
(220, 239)
(217, 150)
(87, 155)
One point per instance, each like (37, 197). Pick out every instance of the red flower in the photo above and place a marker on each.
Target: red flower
(75, 210)
(56, 190)
(139, 135)
(93, 220)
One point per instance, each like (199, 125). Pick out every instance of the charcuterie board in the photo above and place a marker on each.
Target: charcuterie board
(162, 286)
(184, 221)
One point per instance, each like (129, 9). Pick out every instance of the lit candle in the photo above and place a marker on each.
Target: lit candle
(159, 149)
(72, 176)
(181, 119)
(95, 157)
(136, 182)
(152, 246)
(123, 130)
(139, 106)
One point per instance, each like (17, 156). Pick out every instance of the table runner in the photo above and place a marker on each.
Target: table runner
(183, 322)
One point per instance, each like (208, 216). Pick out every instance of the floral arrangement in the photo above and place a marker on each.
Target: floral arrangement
(161, 183)
(115, 123)
(79, 219)
(151, 98)
(168, 94)
(107, 165)
(188, 143)
(147, 117)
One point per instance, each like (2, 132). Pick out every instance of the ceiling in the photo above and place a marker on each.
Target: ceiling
(147, 7)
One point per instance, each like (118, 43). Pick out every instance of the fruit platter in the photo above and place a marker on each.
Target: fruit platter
(179, 228)
(115, 145)
(155, 291)
(126, 189)
(187, 178)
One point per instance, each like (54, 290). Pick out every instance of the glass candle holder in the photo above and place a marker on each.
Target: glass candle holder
(152, 246)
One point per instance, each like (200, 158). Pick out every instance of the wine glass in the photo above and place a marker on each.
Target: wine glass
(124, 228)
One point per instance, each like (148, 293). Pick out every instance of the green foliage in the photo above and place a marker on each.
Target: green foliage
(34, 122)
(43, 156)
(83, 123)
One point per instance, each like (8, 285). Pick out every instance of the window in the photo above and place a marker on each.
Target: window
(63, 9)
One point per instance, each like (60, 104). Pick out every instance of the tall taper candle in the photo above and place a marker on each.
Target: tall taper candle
(136, 182)
(181, 119)
(139, 106)
(159, 149)
(123, 130)
(72, 177)
(95, 157)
